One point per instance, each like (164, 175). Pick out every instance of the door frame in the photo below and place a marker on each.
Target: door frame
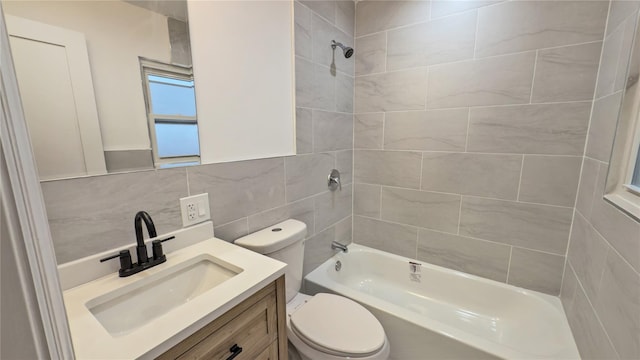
(31, 221)
(75, 45)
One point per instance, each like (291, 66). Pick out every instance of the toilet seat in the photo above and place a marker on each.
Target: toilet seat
(338, 326)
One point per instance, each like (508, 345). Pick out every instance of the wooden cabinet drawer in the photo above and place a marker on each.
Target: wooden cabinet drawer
(252, 325)
(253, 331)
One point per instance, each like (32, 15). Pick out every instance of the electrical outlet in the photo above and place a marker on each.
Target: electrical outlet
(194, 209)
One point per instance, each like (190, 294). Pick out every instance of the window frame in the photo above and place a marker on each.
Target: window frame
(152, 67)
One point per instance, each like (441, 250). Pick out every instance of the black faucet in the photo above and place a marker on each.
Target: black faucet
(144, 262)
(141, 249)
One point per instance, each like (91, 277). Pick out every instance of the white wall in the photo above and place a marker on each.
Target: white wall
(117, 33)
(244, 78)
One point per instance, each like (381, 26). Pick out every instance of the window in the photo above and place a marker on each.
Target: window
(171, 112)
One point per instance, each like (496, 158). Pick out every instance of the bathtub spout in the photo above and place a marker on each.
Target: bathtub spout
(337, 246)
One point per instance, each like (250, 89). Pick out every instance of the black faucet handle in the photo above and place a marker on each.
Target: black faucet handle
(125, 259)
(156, 246)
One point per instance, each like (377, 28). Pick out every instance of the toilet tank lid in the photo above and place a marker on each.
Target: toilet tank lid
(274, 237)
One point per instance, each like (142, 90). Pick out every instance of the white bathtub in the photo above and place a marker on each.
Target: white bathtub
(447, 314)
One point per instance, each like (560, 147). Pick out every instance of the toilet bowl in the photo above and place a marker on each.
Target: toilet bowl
(323, 326)
(332, 327)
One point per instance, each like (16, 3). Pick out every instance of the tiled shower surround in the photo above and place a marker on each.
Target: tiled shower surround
(470, 126)
(476, 145)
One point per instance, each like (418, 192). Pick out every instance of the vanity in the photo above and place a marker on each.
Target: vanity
(209, 300)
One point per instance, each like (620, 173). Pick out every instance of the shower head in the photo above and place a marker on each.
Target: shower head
(345, 49)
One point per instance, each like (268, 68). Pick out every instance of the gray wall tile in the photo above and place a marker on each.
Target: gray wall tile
(495, 176)
(371, 54)
(302, 210)
(399, 90)
(525, 25)
(344, 164)
(393, 168)
(569, 288)
(94, 214)
(302, 31)
(615, 58)
(419, 208)
(536, 270)
(394, 238)
(586, 190)
(332, 131)
(551, 180)
(590, 337)
(344, 93)
(587, 254)
(333, 206)
(497, 81)
(619, 11)
(441, 8)
(346, 16)
(603, 127)
(315, 86)
(304, 131)
(324, 8)
(317, 249)
(434, 42)
(567, 73)
(306, 175)
(366, 201)
(531, 129)
(239, 189)
(344, 230)
(618, 228)
(374, 16)
(618, 306)
(368, 130)
(537, 227)
(444, 130)
(232, 231)
(477, 257)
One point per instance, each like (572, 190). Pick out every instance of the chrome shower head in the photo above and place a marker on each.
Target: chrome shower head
(348, 52)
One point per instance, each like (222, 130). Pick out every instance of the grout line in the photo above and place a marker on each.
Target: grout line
(421, 169)
(473, 152)
(533, 77)
(593, 310)
(475, 37)
(186, 170)
(486, 106)
(468, 195)
(462, 236)
(384, 122)
(466, 141)
(386, 51)
(520, 181)
(380, 212)
(509, 265)
(459, 216)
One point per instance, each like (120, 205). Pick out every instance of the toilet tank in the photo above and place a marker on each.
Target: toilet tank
(283, 242)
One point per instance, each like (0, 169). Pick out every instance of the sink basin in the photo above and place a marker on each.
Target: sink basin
(128, 308)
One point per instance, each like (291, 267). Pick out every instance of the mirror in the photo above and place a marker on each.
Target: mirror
(112, 104)
(87, 72)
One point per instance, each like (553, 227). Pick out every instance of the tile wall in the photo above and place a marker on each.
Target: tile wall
(601, 288)
(471, 119)
(94, 214)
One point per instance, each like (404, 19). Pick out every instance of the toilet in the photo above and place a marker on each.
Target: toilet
(323, 326)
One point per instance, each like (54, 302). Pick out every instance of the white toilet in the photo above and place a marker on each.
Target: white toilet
(324, 326)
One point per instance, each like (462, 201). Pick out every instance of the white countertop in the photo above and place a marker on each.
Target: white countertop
(92, 341)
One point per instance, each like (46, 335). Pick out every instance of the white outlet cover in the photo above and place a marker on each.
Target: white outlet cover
(195, 209)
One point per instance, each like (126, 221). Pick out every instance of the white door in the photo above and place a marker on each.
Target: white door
(54, 77)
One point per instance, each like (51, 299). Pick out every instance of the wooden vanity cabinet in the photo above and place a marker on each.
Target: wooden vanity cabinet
(257, 326)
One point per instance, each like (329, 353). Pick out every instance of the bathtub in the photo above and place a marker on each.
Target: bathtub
(430, 312)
